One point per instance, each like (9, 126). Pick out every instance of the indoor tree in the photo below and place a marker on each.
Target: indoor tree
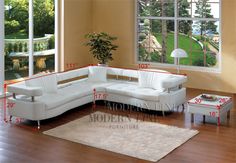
(101, 46)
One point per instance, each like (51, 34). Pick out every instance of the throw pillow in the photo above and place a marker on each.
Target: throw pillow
(50, 83)
(152, 80)
(145, 79)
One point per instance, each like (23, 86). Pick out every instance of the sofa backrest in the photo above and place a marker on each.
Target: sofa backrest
(133, 73)
(114, 71)
(122, 72)
(130, 73)
(72, 74)
(159, 78)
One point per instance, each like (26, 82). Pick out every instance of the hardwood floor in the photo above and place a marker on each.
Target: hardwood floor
(20, 142)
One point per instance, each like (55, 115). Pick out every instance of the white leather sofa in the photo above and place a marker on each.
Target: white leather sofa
(43, 97)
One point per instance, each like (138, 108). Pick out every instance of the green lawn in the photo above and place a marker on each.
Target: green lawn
(19, 35)
(195, 56)
(170, 45)
(184, 43)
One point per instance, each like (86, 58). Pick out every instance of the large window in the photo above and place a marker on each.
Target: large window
(17, 40)
(193, 25)
(28, 38)
(44, 39)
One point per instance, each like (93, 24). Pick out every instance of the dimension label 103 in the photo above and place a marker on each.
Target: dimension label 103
(143, 66)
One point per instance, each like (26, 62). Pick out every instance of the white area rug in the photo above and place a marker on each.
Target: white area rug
(144, 140)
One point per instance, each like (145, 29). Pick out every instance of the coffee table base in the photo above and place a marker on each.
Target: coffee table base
(204, 118)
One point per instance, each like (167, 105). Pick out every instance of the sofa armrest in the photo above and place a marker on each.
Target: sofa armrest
(173, 82)
(24, 90)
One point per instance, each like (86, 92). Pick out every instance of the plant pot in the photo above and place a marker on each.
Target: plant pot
(102, 65)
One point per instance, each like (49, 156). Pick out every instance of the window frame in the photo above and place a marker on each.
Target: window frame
(176, 19)
(31, 37)
(2, 36)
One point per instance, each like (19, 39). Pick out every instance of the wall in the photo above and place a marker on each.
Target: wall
(77, 23)
(117, 18)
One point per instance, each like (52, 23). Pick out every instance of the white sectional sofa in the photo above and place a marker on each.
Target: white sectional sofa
(43, 97)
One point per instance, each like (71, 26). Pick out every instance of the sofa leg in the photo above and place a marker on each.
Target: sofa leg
(94, 106)
(183, 107)
(163, 113)
(177, 108)
(38, 125)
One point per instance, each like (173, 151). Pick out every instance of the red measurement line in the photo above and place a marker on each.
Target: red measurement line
(76, 68)
(5, 104)
(204, 104)
(226, 102)
(5, 96)
(94, 100)
(26, 79)
(218, 121)
(129, 69)
(156, 71)
(26, 127)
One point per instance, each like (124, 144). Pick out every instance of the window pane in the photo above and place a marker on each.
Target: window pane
(215, 8)
(144, 7)
(185, 40)
(44, 51)
(184, 8)
(201, 42)
(16, 39)
(159, 8)
(156, 40)
(199, 8)
(205, 9)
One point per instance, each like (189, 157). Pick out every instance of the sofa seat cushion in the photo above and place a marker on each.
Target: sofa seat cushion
(70, 92)
(51, 100)
(99, 86)
(133, 90)
(64, 95)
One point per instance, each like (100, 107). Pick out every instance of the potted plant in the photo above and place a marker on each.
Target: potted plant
(101, 46)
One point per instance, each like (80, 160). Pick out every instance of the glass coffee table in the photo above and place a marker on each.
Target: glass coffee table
(210, 105)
